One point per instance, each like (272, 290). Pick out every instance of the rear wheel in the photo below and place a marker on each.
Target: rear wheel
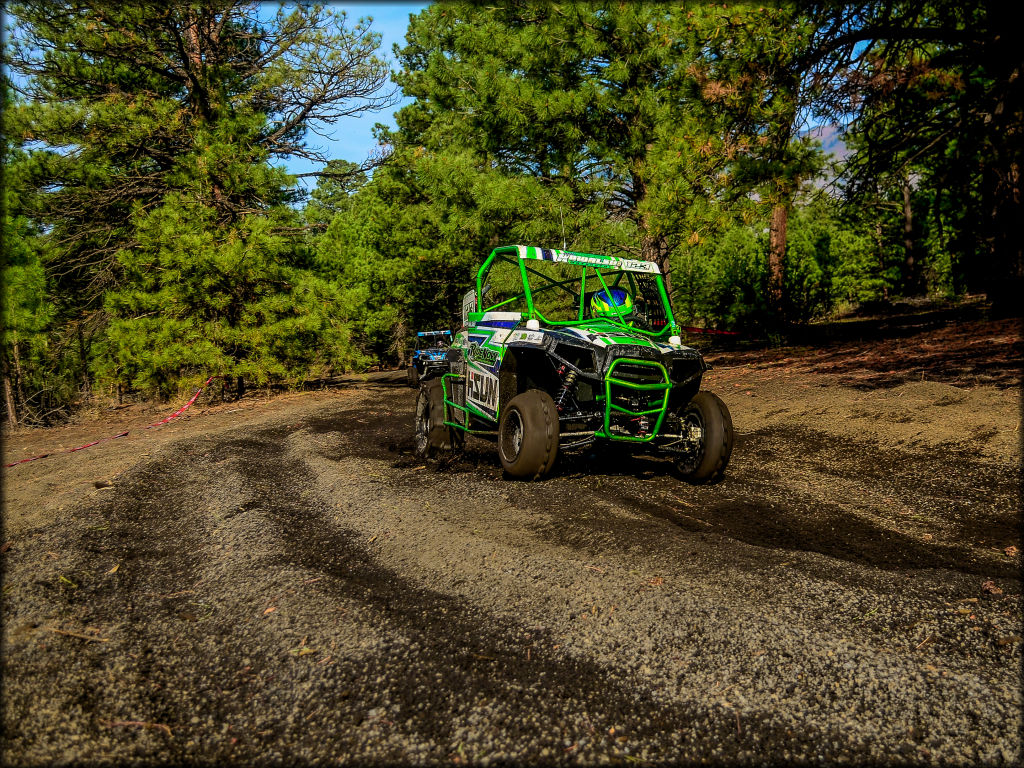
(707, 421)
(528, 435)
(432, 434)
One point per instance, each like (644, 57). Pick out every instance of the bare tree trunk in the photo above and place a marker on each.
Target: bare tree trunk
(777, 254)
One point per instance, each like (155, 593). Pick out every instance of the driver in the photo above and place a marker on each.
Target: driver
(612, 303)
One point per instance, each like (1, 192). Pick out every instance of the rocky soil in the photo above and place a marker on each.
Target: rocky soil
(282, 581)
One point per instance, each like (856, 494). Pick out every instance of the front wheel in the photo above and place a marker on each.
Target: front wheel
(707, 422)
(432, 434)
(528, 435)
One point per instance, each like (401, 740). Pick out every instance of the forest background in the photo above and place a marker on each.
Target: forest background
(151, 237)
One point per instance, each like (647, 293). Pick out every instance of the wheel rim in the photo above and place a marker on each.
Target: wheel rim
(422, 423)
(512, 436)
(691, 457)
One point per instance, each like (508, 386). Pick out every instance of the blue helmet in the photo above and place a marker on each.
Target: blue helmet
(612, 302)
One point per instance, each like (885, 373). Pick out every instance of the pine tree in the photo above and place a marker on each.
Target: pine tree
(31, 377)
(156, 118)
(203, 298)
(27, 311)
(539, 115)
(933, 90)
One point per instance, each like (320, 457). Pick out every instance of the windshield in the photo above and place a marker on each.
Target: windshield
(434, 338)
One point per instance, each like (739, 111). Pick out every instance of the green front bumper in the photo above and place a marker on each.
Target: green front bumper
(656, 405)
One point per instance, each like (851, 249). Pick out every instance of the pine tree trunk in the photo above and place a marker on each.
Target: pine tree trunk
(777, 255)
(909, 276)
(12, 407)
(881, 257)
(18, 387)
(84, 383)
(1004, 281)
(655, 248)
(652, 247)
(10, 401)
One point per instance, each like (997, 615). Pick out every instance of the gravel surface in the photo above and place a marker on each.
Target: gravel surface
(300, 588)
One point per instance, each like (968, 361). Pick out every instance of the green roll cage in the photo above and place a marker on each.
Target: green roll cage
(590, 262)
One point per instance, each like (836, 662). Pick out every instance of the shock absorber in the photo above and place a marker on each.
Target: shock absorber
(568, 386)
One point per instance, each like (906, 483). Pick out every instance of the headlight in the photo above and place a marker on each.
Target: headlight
(682, 369)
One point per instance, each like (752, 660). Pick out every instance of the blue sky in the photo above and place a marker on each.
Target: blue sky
(352, 138)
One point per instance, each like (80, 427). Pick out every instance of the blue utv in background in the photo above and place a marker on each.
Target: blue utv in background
(428, 359)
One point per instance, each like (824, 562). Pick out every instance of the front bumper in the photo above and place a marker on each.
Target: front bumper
(625, 391)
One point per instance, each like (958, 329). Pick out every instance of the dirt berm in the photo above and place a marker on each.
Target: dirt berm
(282, 581)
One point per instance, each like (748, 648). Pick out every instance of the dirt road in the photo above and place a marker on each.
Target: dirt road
(284, 581)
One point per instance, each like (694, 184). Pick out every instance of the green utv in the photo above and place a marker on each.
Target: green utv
(561, 350)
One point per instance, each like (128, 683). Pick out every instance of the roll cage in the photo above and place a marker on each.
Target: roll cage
(643, 279)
